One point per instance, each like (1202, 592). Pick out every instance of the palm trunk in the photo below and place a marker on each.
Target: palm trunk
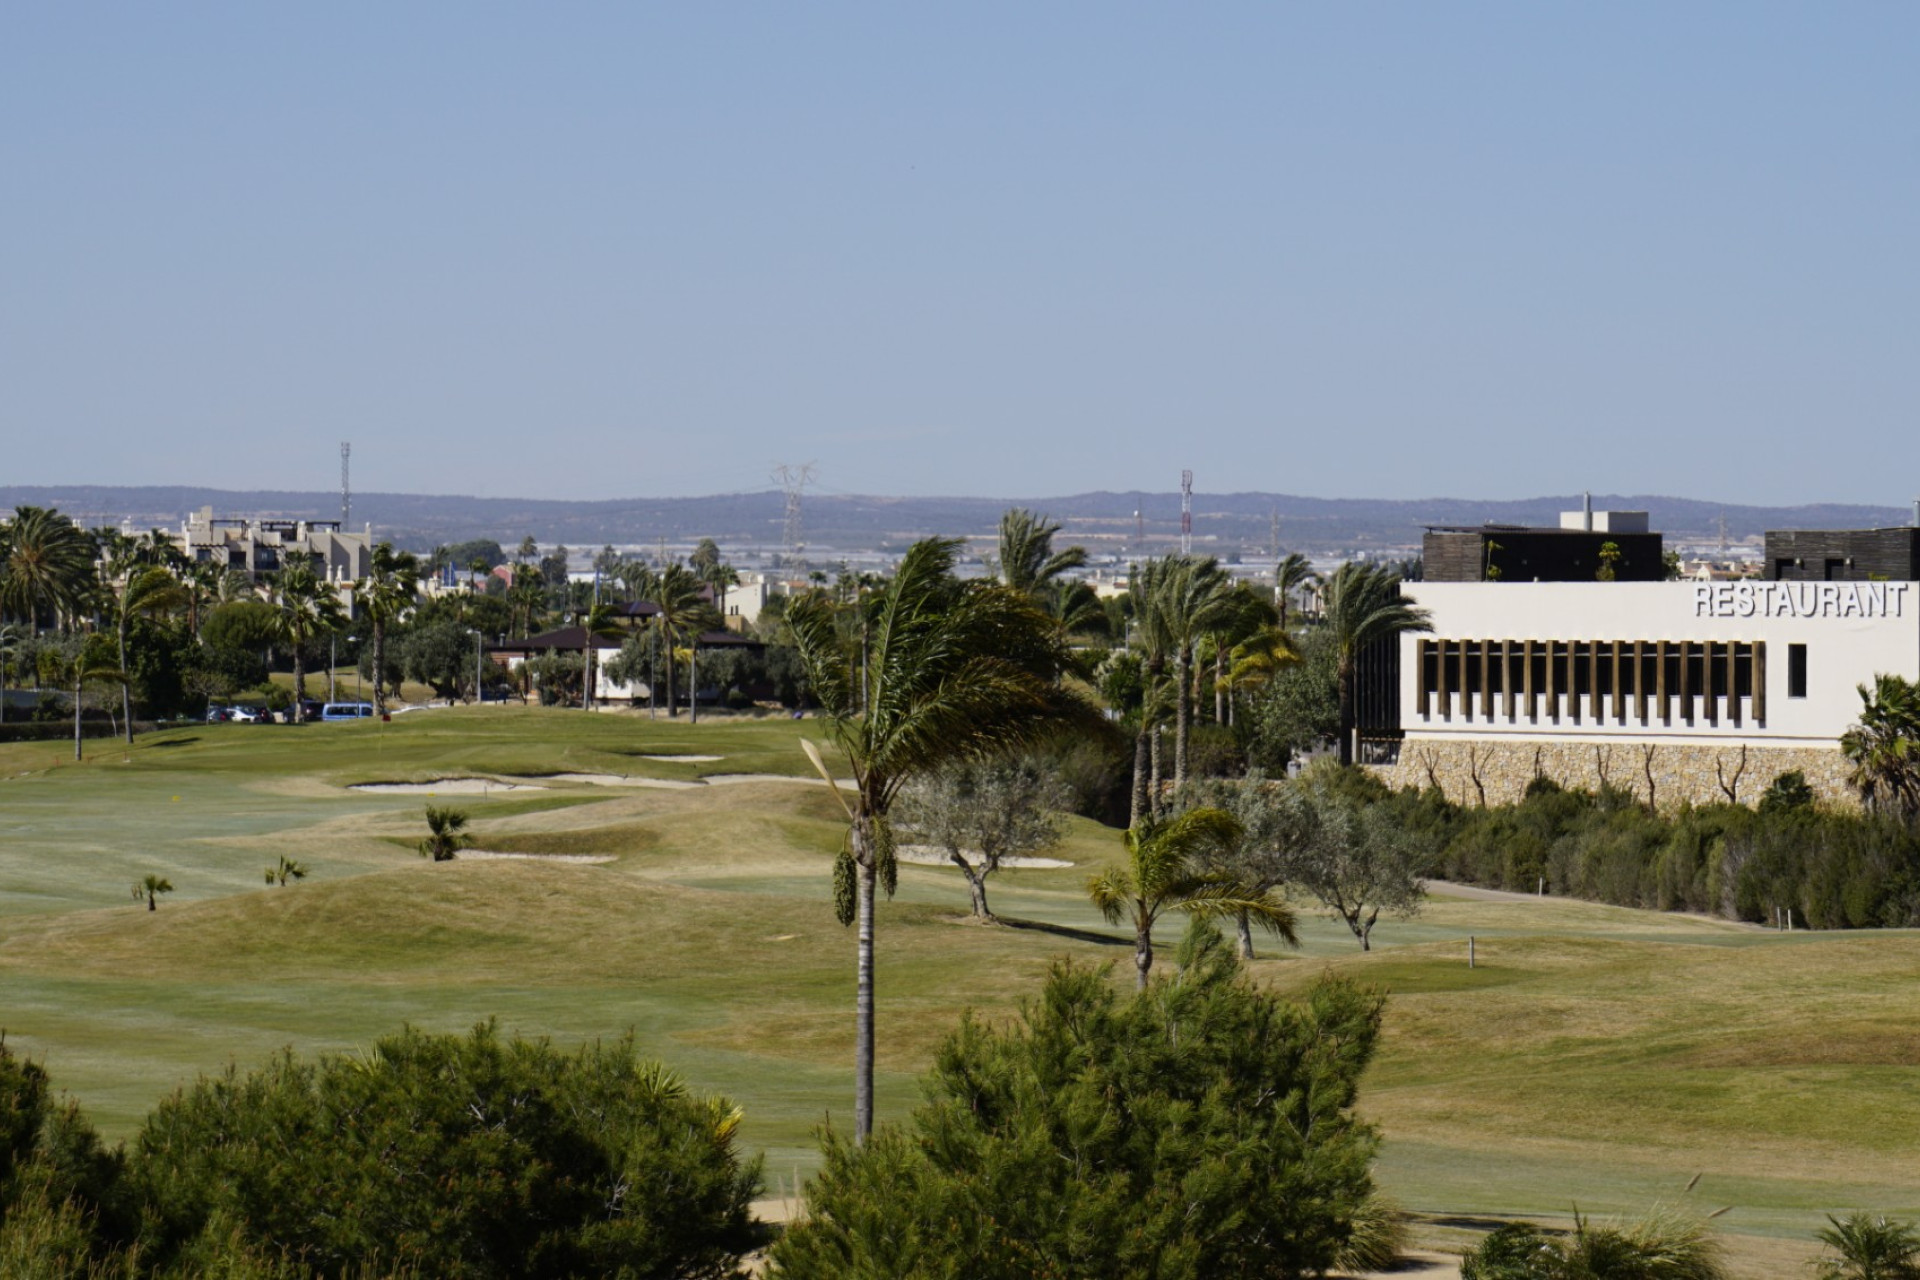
(1244, 926)
(1140, 751)
(864, 877)
(1346, 713)
(299, 686)
(1142, 956)
(126, 688)
(1182, 712)
(671, 709)
(1219, 687)
(1153, 774)
(76, 721)
(379, 665)
(693, 681)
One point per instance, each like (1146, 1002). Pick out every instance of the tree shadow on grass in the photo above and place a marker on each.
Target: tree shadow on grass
(174, 742)
(1067, 931)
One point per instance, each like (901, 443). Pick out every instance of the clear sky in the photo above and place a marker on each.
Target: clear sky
(1343, 249)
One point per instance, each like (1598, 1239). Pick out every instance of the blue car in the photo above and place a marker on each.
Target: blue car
(347, 711)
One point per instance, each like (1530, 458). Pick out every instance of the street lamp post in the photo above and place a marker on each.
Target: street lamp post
(476, 668)
(356, 670)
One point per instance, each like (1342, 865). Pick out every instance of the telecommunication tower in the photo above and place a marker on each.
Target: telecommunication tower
(346, 490)
(1186, 513)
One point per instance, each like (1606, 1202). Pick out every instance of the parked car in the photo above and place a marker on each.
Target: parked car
(347, 711)
(310, 709)
(219, 715)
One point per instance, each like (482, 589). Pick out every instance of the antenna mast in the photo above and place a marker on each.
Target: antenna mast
(346, 490)
(1186, 513)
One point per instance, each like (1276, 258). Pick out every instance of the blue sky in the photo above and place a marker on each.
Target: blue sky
(1397, 250)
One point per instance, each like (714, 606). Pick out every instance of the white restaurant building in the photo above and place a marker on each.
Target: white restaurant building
(1695, 691)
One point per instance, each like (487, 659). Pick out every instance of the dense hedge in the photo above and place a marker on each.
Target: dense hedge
(1832, 869)
(445, 1156)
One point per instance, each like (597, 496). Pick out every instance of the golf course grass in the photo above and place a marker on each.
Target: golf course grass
(1594, 1056)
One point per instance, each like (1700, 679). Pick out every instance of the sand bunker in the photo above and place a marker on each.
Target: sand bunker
(483, 855)
(728, 779)
(620, 780)
(445, 787)
(685, 759)
(926, 855)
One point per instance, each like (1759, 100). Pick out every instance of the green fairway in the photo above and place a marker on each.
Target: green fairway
(1596, 1055)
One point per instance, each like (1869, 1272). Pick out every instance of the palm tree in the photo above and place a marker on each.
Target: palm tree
(681, 611)
(287, 870)
(527, 595)
(1187, 597)
(1884, 747)
(387, 592)
(143, 593)
(601, 622)
(1289, 575)
(446, 834)
(10, 638)
(1028, 561)
(1174, 866)
(1362, 605)
(952, 671)
(308, 608)
(48, 570)
(1257, 659)
(1870, 1248)
(150, 888)
(89, 662)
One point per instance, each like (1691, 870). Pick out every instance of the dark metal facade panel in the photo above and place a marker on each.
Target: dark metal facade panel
(1538, 555)
(1843, 555)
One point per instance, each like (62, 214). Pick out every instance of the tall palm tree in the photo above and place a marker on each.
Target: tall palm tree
(1362, 604)
(10, 638)
(1289, 575)
(1884, 747)
(1188, 597)
(682, 611)
(1028, 561)
(386, 593)
(307, 609)
(143, 593)
(599, 622)
(49, 567)
(1174, 866)
(952, 671)
(89, 661)
(528, 597)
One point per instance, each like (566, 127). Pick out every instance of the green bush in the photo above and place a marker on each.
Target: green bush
(1202, 1128)
(453, 1156)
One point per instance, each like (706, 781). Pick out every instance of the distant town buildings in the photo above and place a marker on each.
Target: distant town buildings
(258, 546)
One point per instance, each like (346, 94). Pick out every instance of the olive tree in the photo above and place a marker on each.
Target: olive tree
(983, 812)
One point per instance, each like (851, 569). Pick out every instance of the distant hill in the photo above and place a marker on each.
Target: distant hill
(1104, 521)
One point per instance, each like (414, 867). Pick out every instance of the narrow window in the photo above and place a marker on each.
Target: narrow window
(1796, 671)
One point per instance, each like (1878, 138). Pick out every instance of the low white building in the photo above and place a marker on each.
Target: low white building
(1688, 690)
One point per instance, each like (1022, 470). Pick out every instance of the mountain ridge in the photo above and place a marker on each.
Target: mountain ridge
(1105, 520)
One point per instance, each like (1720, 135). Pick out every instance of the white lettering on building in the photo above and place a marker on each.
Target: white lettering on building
(1800, 599)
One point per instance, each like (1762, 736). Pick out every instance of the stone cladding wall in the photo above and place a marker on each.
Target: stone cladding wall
(1689, 773)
